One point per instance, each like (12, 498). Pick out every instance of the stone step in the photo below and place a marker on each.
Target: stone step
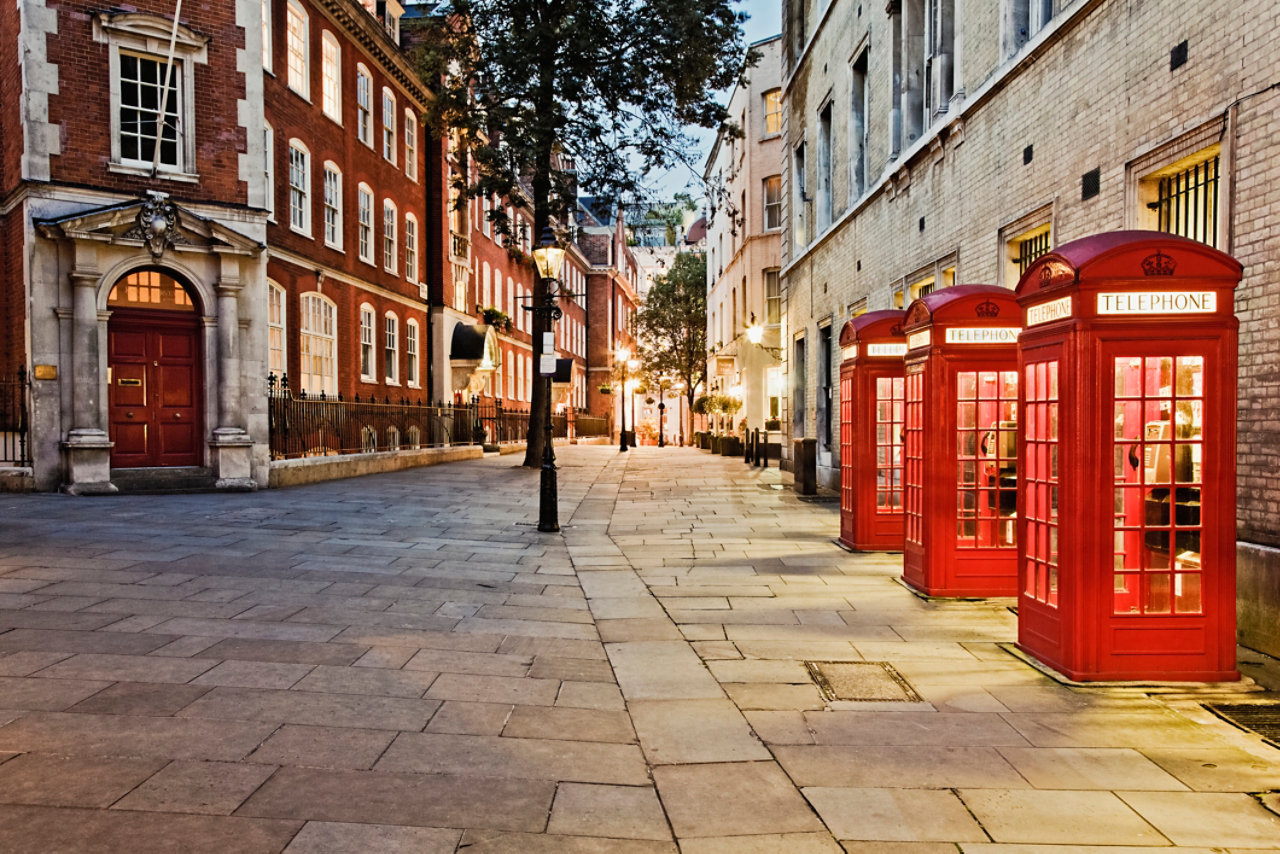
(163, 481)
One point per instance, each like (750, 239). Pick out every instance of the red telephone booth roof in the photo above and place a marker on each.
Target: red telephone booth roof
(873, 324)
(980, 304)
(1138, 257)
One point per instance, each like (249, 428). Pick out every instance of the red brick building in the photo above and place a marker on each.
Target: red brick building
(347, 163)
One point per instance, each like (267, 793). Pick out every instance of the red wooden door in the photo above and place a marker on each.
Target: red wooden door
(154, 396)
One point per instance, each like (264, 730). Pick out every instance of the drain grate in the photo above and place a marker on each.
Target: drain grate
(1260, 718)
(868, 681)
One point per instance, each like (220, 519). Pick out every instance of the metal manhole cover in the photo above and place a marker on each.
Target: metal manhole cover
(860, 680)
(1260, 718)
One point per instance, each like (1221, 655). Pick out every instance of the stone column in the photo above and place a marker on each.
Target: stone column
(231, 445)
(88, 447)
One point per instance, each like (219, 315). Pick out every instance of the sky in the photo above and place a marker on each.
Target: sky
(765, 21)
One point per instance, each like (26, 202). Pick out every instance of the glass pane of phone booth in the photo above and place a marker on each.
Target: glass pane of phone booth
(986, 458)
(913, 429)
(1040, 479)
(1158, 448)
(890, 400)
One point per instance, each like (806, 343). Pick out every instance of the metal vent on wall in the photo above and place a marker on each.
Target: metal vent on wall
(867, 681)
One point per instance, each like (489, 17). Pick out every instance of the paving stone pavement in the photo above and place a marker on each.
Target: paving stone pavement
(402, 663)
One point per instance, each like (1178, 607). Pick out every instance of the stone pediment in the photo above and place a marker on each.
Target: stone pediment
(154, 222)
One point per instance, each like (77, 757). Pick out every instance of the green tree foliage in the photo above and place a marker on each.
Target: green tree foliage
(557, 95)
(672, 323)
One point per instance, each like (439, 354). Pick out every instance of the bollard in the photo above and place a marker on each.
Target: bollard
(805, 465)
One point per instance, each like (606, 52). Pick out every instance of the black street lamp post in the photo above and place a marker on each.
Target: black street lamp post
(623, 355)
(662, 411)
(549, 257)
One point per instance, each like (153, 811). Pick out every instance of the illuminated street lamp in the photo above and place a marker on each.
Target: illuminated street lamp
(549, 258)
(623, 355)
(633, 365)
(678, 389)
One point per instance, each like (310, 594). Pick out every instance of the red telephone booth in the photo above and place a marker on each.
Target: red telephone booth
(961, 424)
(1129, 390)
(871, 412)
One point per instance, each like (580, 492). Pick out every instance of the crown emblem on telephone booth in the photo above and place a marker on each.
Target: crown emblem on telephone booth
(896, 329)
(987, 309)
(1158, 264)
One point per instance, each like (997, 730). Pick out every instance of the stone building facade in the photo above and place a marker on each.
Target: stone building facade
(744, 231)
(933, 142)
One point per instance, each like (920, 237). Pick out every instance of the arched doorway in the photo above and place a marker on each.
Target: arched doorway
(154, 396)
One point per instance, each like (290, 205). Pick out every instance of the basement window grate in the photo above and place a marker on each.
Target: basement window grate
(1260, 718)
(865, 681)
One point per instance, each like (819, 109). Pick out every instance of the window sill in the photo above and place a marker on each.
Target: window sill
(297, 230)
(306, 96)
(367, 380)
(392, 382)
(336, 247)
(415, 385)
(145, 172)
(337, 120)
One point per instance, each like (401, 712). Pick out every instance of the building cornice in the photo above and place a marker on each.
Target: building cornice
(369, 33)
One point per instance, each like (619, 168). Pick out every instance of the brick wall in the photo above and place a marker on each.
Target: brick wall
(81, 109)
(1094, 90)
(10, 105)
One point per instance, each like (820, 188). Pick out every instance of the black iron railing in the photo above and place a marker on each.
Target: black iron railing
(14, 447)
(590, 425)
(1187, 203)
(302, 425)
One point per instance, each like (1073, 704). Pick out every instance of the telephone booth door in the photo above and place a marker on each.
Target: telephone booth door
(1129, 388)
(872, 405)
(961, 427)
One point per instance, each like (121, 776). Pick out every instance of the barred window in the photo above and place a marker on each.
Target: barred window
(1030, 248)
(1187, 201)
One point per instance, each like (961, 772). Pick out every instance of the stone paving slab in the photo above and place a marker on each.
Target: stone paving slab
(402, 663)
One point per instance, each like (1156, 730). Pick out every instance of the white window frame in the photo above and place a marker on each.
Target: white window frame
(388, 125)
(331, 76)
(390, 219)
(269, 168)
(297, 40)
(299, 187)
(391, 348)
(765, 206)
(277, 330)
(183, 90)
(410, 145)
(332, 205)
(411, 372)
(411, 248)
(766, 113)
(364, 105)
(267, 47)
(364, 222)
(368, 347)
(318, 347)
